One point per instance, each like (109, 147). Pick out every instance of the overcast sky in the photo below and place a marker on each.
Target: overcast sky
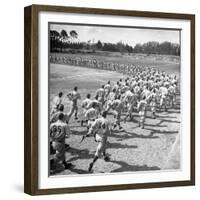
(130, 36)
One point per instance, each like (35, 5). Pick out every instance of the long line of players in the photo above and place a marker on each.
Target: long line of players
(149, 89)
(129, 69)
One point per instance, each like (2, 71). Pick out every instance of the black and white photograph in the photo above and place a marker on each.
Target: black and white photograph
(114, 99)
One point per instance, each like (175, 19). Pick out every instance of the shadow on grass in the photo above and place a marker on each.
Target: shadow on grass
(126, 167)
(165, 116)
(120, 146)
(155, 125)
(131, 135)
(166, 120)
(79, 171)
(79, 154)
(153, 131)
(172, 111)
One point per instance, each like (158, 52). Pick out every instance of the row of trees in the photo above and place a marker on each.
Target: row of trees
(58, 40)
(63, 42)
(166, 48)
(118, 47)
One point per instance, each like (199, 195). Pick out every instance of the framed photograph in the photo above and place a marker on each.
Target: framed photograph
(109, 99)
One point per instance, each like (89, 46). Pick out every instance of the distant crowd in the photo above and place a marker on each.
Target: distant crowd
(93, 63)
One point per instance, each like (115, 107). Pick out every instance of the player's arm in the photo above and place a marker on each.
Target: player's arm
(57, 102)
(97, 93)
(90, 132)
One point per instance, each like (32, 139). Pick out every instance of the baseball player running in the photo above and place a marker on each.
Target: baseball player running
(101, 129)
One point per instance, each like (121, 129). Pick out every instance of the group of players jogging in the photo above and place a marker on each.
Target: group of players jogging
(149, 89)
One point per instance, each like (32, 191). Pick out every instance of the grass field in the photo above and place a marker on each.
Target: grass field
(64, 78)
(133, 149)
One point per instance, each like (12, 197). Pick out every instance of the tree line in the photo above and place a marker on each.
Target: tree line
(166, 48)
(68, 42)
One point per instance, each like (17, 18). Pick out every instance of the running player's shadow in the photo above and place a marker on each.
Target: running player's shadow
(78, 171)
(168, 121)
(155, 125)
(125, 167)
(165, 120)
(165, 116)
(156, 131)
(114, 145)
(79, 154)
(171, 111)
(132, 135)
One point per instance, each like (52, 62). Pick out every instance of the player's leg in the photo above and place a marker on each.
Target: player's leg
(117, 116)
(174, 100)
(89, 123)
(105, 157)
(143, 119)
(59, 163)
(165, 103)
(54, 162)
(96, 156)
(139, 121)
(114, 112)
(102, 101)
(71, 112)
(85, 118)
(130, 111)
(118, 120)
(171, 101)
(76, 112)
(161, 103)
(127, 114)
(153, 110)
